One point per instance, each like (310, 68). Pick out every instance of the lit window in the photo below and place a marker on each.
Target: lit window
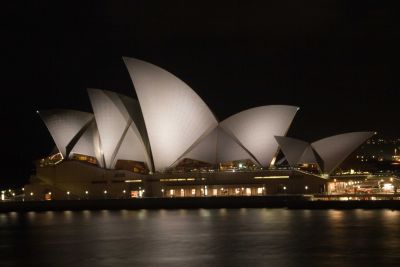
(248, 191)
(215, 192)
(259, 190)
(193, 191)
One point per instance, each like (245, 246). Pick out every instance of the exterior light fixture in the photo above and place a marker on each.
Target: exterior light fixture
(68, 192)
(105, 192)
(124, 191)
(86, 192)
(306, 187)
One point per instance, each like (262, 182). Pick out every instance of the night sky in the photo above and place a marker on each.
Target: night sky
(337, 60)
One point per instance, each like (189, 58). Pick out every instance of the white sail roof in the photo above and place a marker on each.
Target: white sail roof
(175, 116)
(308, 156)
(89, 144)
(217, 147)
(65, 126)
(334, 149)
(229, 150)
(119, 135)
(205, 150)
(255, 129)
(292, 148)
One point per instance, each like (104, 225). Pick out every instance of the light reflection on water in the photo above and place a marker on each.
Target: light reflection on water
(220, 237)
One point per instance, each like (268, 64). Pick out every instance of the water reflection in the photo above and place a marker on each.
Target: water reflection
(227, 237)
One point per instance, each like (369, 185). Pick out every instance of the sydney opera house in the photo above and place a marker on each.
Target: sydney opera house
(168, 143)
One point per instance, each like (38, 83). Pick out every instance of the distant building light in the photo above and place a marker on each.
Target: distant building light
(86, 192)
(388, 186)
(124, 191)
(306, 187)
(68, 192)
(284, 188)
(31, 193)
(133, 181)
(105, 192)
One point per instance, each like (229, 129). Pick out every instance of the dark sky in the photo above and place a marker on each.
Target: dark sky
(337, 60)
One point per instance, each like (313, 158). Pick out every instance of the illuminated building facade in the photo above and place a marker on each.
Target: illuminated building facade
(169, 143)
